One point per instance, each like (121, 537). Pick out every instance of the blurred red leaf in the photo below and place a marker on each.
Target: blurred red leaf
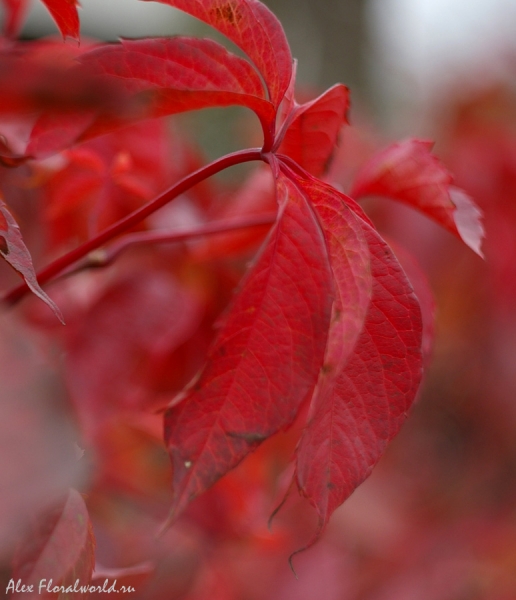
(313, 129)
(105, 179)
(408, 172)
(14, 251)
(15, 13)
(53, 94)
(139, 320)
(265, 360)
(37, 458)
(158, 77)
(58, 551)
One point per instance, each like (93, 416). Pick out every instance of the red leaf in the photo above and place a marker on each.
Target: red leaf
(361, 408)
(105, 179)
(254, 29)
(408, 172)
(265, 360)
(195, 72)
(158, 77)
(64, 13)
(14, 251)
(423, 290)
(15, 13)
(350, 263)
(141, 319)
(58, 551)
(313, 129)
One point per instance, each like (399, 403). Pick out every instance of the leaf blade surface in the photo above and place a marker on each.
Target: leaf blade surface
(265, 360)
(407, 171)
(312, 134)
(363, 407)
(255, 30)
(155, 78)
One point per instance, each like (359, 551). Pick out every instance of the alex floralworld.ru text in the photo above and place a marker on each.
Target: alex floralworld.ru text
(47, 586)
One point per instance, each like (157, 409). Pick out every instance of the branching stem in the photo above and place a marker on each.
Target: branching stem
(107, 256)
(59, 265)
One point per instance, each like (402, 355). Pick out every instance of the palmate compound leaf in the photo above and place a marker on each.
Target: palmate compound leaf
(313, 128)
(14, 251)
(266, 358)
(361, 405)
(408, 172)
(253, 28)
(59, 546)
(155, 77)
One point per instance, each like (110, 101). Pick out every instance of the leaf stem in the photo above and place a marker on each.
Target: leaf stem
(103, 258)
(63, 262)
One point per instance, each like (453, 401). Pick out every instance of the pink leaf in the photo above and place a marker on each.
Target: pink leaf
(408, 172)
(361, 408)
(313, 129)
(59, 547)
(64, 13)
(254, 29)
(14, 251)
(266, 358)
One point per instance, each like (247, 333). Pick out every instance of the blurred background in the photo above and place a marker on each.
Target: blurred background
(437, 519)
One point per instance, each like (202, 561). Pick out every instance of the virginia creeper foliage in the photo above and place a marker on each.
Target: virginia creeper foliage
(325, 318)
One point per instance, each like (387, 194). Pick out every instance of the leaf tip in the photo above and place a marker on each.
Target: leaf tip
(167, 524)
(468, 220)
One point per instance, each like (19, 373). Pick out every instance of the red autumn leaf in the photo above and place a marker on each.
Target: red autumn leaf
(360, 409)
(265, 360)
(64, 13)
(158, 77)
(15, 12)
(14, 251)
(105, 179)
(186, 74)
(141, 319)
(350, 263)
(44, 80)
(313, 129)
(422, 288)
(39, 75)
(56, 130)
(58, 550)
(408, 172)
(254, 29)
